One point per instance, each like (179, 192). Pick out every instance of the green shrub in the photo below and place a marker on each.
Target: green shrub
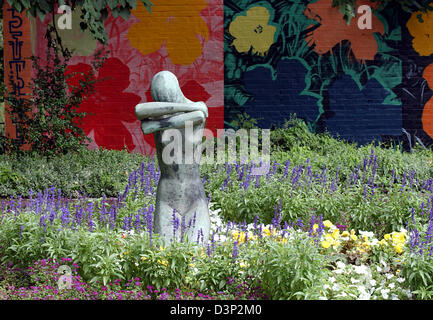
(290, 270)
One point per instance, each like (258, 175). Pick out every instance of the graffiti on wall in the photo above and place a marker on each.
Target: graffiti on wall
(300, 57)
(187, 42)
(17, 63)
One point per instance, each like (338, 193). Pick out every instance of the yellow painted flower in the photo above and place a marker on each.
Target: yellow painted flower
(173, 24)
(328, 224)
(252, 31)
(422, 32)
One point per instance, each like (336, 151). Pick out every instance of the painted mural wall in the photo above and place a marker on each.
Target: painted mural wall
(270, 59)
(187, 41)
(284, 57)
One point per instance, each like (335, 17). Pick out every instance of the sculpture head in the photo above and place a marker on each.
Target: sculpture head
(165, 88)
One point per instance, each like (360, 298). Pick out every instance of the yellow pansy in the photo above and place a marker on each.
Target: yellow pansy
(345, 234)
(325, 244)
(336, 234)
(398, 237)
(252, 31)
(329, 238)
(422, 32)
(239, 236)
(398, 248)
(387, 236)
(143, 258)
(267, 231)
(383, 242)
(315, 227)
(173, 24)
(328, 224)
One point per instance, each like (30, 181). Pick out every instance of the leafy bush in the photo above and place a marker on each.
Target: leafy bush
(94, 172)
(48, 120)
(288, 270)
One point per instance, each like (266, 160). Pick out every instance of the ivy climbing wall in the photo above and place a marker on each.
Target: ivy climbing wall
(284, 57)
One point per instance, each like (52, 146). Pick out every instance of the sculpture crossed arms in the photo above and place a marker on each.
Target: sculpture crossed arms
(180, 193)
(171, 108)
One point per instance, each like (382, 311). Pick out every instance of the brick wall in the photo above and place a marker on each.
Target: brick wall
(284, 57)
(270, 59)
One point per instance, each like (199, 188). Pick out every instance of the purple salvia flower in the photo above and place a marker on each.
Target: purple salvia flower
(235, 250)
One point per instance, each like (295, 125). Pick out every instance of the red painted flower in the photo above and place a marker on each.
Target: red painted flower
(111, 108)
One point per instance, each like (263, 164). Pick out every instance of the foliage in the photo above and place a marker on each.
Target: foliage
(93, 15)
(94, 172)
(48, 120)
(288, 270)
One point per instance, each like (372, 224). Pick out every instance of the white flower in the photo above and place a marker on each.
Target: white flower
(362, 269)
(361, 289)
(372, 282)
(332, 279)
(336, 287)
(389, 276)
(341, 265)
(392, 285)
(338, 271)
(343, 294)
(394, 297)
(354, 280)
(364, 296)
(369, 234)
(400, 280)
(323, 298)
(384, 293)
(379, 269)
